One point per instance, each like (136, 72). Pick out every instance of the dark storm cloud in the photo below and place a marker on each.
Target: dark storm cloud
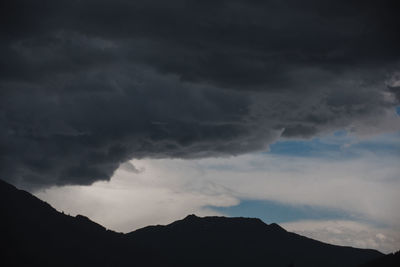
(87, 85)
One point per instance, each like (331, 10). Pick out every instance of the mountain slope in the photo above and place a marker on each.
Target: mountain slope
(243, 242)
(35, 234)
(390, 260)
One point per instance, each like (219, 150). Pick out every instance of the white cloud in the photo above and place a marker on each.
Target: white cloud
(130, 201)
(348, 233)
(168, 189)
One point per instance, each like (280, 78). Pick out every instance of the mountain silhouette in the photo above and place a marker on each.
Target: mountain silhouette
(35, 234)
(390, 260)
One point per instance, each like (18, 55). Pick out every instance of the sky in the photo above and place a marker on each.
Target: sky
(141, 112)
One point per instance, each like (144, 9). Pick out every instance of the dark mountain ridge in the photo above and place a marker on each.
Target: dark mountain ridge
(35, 234)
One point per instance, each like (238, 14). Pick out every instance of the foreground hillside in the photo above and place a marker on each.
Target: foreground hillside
(35, 234)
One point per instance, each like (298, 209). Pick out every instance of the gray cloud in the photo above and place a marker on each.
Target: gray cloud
(129, 167)
(87, 85)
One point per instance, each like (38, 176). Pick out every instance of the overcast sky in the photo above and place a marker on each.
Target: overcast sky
(139, 112)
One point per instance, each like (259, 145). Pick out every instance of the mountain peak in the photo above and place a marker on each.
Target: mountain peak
(191, 217)
(223, 219)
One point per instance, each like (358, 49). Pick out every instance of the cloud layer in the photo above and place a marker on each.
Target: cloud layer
(88, 85)
(348, 233)
(353, 200)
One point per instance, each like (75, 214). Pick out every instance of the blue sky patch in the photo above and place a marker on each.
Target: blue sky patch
(275, 212)
(303, 148)
(338, 145)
